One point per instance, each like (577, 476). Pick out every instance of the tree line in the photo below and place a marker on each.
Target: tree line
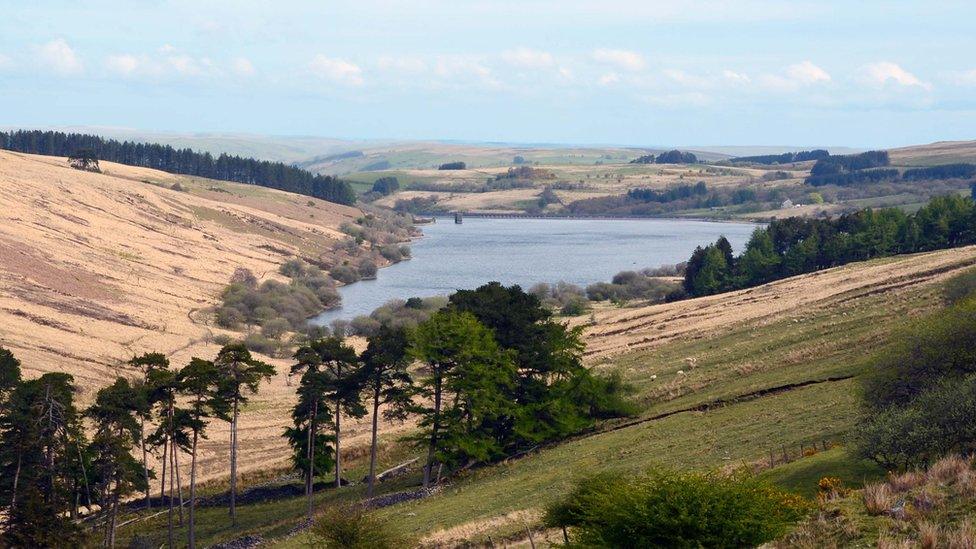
(669, 195)
(785, 158)
(796, 245)
(670, 157)
(51, 469)
(497, 376)
(275, 175)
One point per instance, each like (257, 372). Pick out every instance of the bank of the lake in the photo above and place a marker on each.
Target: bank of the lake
(527, 251)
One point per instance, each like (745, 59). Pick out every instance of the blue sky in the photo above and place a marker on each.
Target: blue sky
(748, 72)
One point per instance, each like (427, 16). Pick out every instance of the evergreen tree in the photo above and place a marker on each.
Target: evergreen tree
(470, 377)
(554, 393)
(200, 381)
(146, 364)
(40, 442)
(311, 450)
(9, 375)
(387, 383)
(115, 413)
(242, 375)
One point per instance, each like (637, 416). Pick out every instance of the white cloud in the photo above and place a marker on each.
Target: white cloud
(795, 77)
(622, 59)
(166, 62)
(337, 70)
(124, 64)
(58, 56)
(736, 77)
(884, 72)
(401, 63)
(609, 79)
(242, 66)
(685, 79)
(529, 58)
(807, 73)
(5, 62)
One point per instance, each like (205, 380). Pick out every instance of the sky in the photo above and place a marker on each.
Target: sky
(645, 73)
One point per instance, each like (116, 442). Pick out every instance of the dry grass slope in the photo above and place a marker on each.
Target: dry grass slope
(98, 267)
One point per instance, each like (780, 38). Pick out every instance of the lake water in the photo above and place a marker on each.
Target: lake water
(527, 251)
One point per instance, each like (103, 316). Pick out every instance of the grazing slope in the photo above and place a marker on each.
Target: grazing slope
(98, 267)
(721, 381)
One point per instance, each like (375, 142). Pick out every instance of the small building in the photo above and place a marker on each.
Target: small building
(786, 204)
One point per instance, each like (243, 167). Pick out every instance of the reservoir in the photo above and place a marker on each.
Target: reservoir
(527, 251)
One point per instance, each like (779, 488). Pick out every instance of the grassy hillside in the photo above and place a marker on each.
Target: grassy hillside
(721, 382)
(128, 261)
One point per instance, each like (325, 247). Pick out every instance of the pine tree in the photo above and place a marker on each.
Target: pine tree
(387, 382)
(469, 378)
(115, 414)
(147, 363)
(241, 374)
(200, 382)
(40, 439)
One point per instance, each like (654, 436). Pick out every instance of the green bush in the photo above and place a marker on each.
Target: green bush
(937, 346)
(261, 344)
(675, 510)
(935, 423)
(350, 527)
(345, 274)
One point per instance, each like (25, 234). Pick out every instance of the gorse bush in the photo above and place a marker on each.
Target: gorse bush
(675, 510)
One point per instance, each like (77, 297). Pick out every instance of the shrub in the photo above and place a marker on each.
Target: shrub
(350, 527)
(675, 510)
(935, 423)
(345, 274)
(260, 344)
(391, 253)
(229, 317)
(309, 292)
(293, 268)
(930, 349)
(367, 269)
(274, 328)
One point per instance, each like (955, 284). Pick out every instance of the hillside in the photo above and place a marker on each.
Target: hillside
(721, 381)
(99, 267)
(942, 152)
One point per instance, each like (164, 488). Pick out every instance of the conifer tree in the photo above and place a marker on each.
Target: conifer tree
(469, 378)
(146, 364)
(40, 437)
(387, 383)
(242, 375)
(114, 414)
(200, 381)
